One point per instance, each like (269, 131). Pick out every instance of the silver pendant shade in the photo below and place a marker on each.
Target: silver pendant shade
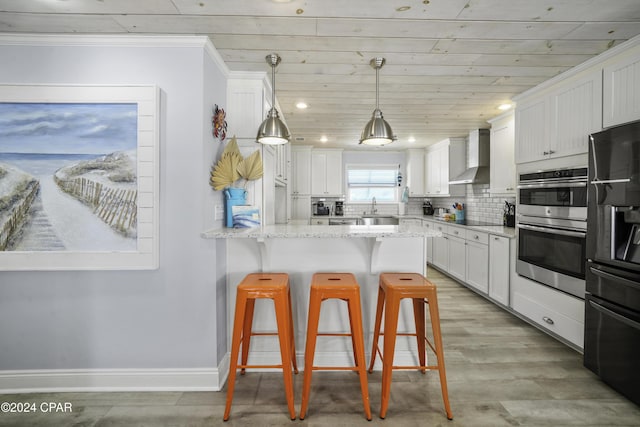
(273, 131)
(377, 131)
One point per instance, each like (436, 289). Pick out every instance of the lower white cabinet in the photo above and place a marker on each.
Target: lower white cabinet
(441, 248)
(300, 209)
(551, 309)
(319, 221)
(457, 258)
(429, 225)
(477, 267)
(499, 269)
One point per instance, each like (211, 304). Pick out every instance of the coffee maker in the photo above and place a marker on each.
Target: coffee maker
(339, 208)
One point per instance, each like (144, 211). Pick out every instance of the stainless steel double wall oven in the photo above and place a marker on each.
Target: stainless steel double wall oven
(552, 226)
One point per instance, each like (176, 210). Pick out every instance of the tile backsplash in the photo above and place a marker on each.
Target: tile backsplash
(480, 205)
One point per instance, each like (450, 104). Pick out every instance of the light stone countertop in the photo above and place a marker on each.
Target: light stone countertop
(320, 231)
(499, 230)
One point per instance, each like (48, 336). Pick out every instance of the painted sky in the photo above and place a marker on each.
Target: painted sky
(51, 128)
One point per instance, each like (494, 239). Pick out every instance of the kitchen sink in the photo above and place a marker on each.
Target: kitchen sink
(379, 220)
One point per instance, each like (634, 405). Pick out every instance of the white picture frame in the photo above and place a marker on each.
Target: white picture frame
(145, 254)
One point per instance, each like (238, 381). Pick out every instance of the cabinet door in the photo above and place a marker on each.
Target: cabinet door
(333, 173)
(300, 209)
(621, 91)
(457, 258)
(318, 174)
(416, 172)
(443, 176)
(503, 167)
(576, 112)
(429, 226)
(478, 266)
(531, 132)
(435, 170)
(499, 269)
(301, 170)
(245, 107)
(441, 249)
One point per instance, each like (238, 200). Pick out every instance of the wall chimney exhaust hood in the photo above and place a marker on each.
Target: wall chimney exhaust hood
(478, 167)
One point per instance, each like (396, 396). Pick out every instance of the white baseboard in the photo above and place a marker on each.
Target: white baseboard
(206, 379)
(94, 380)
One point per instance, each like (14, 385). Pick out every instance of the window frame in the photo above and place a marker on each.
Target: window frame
(378, 166)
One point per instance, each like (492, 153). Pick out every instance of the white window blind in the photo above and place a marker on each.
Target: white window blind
(364, 182)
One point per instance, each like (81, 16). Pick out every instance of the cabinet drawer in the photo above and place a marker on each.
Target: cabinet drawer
(455, 231)
(561, 325)
(477, 236)
(440, 227)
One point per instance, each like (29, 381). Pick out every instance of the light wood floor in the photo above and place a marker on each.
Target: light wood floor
(501, 372)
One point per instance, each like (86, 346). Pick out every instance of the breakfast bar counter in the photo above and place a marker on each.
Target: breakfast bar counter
(300, 251)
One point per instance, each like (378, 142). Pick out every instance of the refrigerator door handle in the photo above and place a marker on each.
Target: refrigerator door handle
(615, 315)
(610, 276)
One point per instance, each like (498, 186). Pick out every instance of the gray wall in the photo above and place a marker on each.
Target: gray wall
(129, 319)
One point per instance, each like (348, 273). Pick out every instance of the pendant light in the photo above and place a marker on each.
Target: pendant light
(273, 131)
(377, 131)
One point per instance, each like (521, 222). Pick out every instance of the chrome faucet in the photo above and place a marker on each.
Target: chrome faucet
(373, 206)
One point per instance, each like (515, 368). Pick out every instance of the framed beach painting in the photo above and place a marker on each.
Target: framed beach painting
(79, 183)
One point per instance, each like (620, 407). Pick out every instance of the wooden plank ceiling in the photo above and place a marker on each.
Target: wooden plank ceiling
(450, 63)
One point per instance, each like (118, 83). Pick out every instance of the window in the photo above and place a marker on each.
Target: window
(366, 182)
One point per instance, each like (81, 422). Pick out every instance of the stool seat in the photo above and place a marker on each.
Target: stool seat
(273, 286)
(342, 286)
(393, 287)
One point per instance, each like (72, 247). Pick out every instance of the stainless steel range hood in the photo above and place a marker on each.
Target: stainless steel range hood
(477, 171)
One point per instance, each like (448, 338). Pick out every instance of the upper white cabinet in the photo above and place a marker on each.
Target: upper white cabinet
(415, 172)
(246, 106)
(283, 153)
(301, 170)
(442, 161)
(326, 173)
(557, 123)
(503, 166)
(621, 89)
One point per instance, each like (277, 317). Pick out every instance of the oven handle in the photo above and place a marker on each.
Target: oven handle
(615, 315)
(610, 276)
(553, 231)
(610, 181)
(554, 185)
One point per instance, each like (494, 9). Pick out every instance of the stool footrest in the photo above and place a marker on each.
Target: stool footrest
(258, 366)
(334, 368)
(328, 334)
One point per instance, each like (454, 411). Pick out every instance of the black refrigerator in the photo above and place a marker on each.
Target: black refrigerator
(612, 311)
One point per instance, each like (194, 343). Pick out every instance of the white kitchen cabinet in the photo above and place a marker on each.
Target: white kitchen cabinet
(531, 130)
(415, 172)
(410, 221)
(301, 170)
(552, 310)
(300, 209)
(443, 161)
(245, 106)
(319, 221)
(557, 123)
(326, 173)
(477, 266)
(428, 225)
(441, 248)
(457, 253)
(503, 166)
(621, 89)
(499, 269)
(282, 163)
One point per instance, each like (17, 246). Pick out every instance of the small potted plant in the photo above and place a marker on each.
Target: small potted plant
(229, 170)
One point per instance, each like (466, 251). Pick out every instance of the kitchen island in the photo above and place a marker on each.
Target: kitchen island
(300, 251)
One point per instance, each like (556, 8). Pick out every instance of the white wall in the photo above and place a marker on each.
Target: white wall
(165, 318)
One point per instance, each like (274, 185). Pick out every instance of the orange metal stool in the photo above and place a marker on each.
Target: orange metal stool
(345, 287)
(393, 288)
(273, 286)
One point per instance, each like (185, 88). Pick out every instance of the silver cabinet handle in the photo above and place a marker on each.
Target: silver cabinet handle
(545, 153)
(476, 237)
(551, 152)
(610, 181)
(548, 320)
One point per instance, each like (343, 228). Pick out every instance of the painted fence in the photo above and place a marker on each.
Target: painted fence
(115, 206)
(18, 216)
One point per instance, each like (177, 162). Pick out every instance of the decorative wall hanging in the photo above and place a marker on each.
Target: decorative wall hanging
(219, 123)
(79, 177)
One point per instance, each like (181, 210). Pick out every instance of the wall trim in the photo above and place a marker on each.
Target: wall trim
(94, 380)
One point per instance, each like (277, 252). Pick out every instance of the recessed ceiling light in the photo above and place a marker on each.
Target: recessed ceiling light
(504, 107)
(301, 105)
(412, 139)
(323, 139)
